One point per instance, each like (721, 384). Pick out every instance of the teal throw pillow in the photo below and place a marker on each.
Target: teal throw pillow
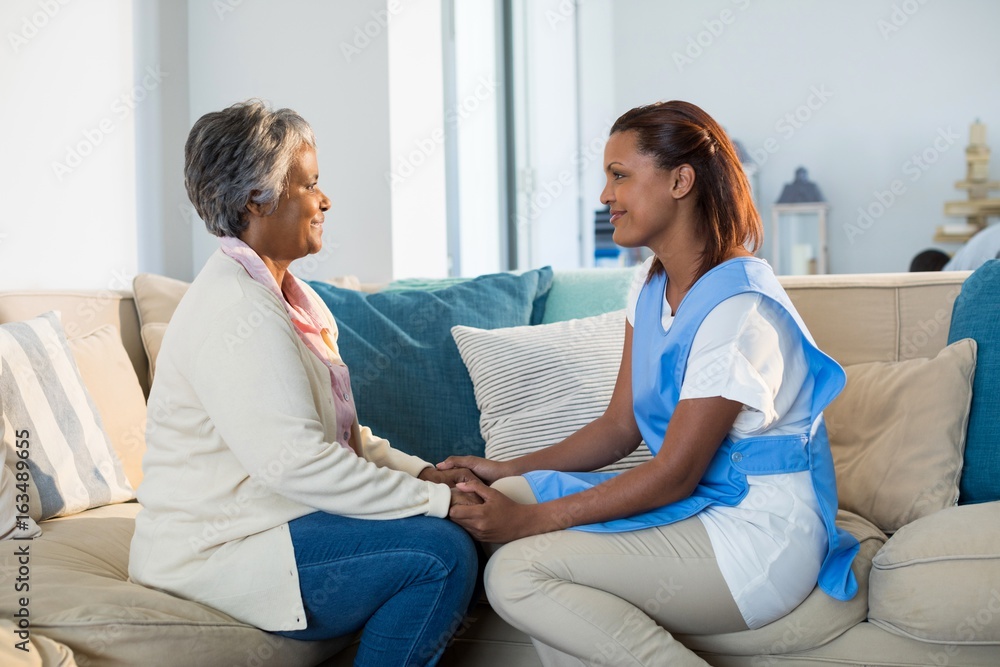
(410, 384)
(977, 315)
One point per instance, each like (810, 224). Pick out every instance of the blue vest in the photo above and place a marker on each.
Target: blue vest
(659, 363)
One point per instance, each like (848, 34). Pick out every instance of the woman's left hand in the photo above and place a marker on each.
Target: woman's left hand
(450, 477)
(499, 519)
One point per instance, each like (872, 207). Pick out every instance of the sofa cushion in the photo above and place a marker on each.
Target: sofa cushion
(81, 597)
(587, 292)
(897, 432)
(536, 385)
(111, 381)
(152, 339)
(977, 315)
(938, 578)
(156, 299)
(34, 651)
(818, 620)
(406, 373)
(51, 427)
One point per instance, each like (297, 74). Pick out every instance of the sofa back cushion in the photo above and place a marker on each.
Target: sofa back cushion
(83, 312)
(877, 317)
(411, 385)
(110, 379)
(977, 316)
(156, 299)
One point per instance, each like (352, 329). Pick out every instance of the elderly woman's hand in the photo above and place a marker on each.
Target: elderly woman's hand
(451, 477)
(484, 469)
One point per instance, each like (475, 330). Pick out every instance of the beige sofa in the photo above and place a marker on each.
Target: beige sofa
(84, 611)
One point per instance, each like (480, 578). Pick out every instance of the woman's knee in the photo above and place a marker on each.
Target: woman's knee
(513, 575)
(516, 488)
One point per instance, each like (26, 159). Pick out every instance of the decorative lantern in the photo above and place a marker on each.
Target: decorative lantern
(798, 228)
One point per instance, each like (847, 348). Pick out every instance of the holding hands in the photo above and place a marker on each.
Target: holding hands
(496, 518)
(453, 476)
(483, 469)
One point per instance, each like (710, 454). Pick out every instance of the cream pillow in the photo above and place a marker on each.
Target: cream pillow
(51, 424)
(110, 378)
(156, 299)
(536, 385)
(897, 434)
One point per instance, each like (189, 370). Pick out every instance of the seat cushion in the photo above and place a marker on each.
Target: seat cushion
(938, 578)
(33, 649)
(81, 597)
(818, 620)
(977, 315)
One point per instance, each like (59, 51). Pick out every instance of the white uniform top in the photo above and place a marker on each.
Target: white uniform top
(769, 547)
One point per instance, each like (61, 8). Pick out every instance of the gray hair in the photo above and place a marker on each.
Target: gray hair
(239, 155)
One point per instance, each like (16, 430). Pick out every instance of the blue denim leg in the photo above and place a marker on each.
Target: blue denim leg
(407, 582)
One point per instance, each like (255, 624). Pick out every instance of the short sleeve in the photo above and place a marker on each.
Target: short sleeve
(745, 351)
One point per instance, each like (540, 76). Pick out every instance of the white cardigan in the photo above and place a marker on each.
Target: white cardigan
(241, 440)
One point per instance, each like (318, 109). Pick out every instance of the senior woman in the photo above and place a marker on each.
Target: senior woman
(263, 497)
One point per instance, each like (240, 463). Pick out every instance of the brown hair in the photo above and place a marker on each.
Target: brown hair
(677, 133)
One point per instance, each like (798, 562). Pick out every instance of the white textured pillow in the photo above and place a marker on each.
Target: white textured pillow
(49, 413)
(536, 385)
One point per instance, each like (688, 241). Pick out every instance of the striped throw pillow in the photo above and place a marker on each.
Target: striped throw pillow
(536, 385)
(51, 426)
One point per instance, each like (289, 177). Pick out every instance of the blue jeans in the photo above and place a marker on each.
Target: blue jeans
(407, 582)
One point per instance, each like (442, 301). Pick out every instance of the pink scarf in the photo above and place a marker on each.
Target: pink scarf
(309, 325)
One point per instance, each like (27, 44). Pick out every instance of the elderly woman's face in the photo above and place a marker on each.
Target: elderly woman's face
(295, 229)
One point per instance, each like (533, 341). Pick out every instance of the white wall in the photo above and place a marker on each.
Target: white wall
(879, 96)
(67, 177)
(548, 209)
(417, 138)
(475, 113)
(597, 108)
(329, 62)
(165, 220)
